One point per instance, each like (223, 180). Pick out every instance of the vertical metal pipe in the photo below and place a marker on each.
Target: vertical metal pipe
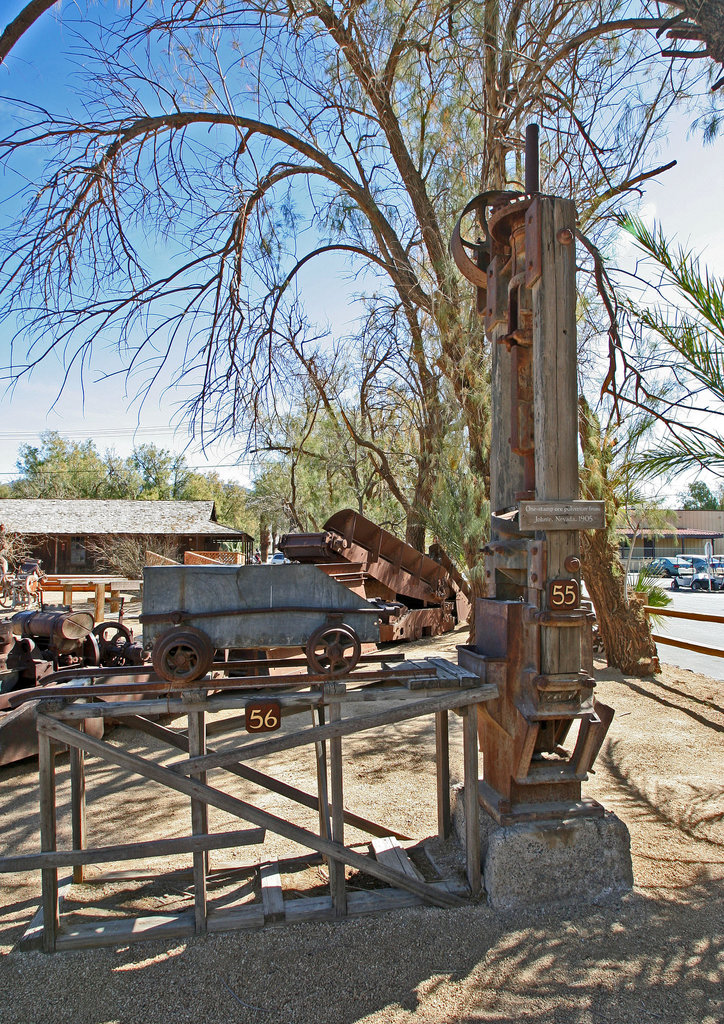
(532, 161)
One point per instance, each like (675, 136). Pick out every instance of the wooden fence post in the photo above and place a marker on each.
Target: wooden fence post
(199, 819)
(49, 876)
(77, 803)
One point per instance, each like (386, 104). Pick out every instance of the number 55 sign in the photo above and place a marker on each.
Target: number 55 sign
(263, 716)
(563, 594)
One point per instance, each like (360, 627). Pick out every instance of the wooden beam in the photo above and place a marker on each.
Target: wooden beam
(389, 851)
(199, 820)
(442, 766)
(179, 740)
(336, 876)
(132, 851)
(49, 875)
(348, 727)
(272, 896)
(77, 804)
(472, 806)
(132, 762)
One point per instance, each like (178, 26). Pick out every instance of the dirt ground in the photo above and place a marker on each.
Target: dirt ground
(655, 955)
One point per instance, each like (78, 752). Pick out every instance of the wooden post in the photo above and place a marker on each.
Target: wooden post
(100, 606)
(472, 805)
(320, 751)
(68, 594)
(49, 876)
(77, 803)
(199, 819)
(442, 760)
(556, 421)
(336, 868)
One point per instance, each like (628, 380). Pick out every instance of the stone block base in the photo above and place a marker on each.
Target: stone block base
(577, 860)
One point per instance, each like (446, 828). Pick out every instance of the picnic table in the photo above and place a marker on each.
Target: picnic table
(101, 587)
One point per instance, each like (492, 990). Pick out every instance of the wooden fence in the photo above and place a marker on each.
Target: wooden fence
(687, 645)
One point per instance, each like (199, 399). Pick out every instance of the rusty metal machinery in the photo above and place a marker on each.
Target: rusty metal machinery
(422, 596)
(34, 646)
(533, 633)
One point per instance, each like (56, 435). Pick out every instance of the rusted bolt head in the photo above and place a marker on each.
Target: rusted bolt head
(565, 236)
(534, 550)
(572, 563)
(533, 577)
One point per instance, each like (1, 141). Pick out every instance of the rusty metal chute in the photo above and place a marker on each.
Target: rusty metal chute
(433, 595)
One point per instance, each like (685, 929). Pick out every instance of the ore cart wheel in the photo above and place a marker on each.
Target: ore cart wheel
(182, 655)
(333, 650)
(113, 638)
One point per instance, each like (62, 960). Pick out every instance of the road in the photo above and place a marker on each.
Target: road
(709, 633)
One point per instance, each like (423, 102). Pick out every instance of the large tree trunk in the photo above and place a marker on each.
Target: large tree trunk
(624, 627)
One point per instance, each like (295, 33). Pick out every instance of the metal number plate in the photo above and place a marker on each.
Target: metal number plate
(263, 716)
(563, 595)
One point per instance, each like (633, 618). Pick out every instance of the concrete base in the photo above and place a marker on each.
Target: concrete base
(578, 860)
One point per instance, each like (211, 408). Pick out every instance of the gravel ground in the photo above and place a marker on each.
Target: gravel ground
(656, 955)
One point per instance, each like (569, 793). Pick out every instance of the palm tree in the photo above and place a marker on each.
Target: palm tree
(686, 327)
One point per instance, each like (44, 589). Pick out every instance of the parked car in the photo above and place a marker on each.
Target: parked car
(278, 558)
(672, 567)
(698, 562)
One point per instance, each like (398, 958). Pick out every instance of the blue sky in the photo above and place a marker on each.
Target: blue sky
(687, 201)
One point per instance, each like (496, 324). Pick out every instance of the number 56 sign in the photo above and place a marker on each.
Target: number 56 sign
(263, 716)
(563, 594)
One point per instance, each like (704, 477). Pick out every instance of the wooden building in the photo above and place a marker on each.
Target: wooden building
(687, 536)
(66, 533)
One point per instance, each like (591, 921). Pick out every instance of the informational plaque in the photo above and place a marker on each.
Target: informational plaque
(562, 515)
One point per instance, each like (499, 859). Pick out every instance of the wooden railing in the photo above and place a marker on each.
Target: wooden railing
(687, 645)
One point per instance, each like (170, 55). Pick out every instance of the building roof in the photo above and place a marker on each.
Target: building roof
(41, 516)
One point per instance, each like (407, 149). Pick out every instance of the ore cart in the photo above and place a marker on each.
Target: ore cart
(190, 611)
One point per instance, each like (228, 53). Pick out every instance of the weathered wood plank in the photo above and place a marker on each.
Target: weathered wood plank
(347, 727)
(132, 851)
(225, 702)
(272, 896)
(199, 820)
(472, 808)
(32, 937)
(49, 876)
(125, 930)
(77, 804)
(337, 885)
(389, 851)
(442, 768)
(239, 808)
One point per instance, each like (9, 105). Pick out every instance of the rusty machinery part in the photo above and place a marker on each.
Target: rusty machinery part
(6, 592)
(91, 650)
(182, 655)
(476, 271)
(66, 625)
(113, 639)
(333, 650)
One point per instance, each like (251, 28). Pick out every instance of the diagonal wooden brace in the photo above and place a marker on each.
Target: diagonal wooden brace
(241, 809)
